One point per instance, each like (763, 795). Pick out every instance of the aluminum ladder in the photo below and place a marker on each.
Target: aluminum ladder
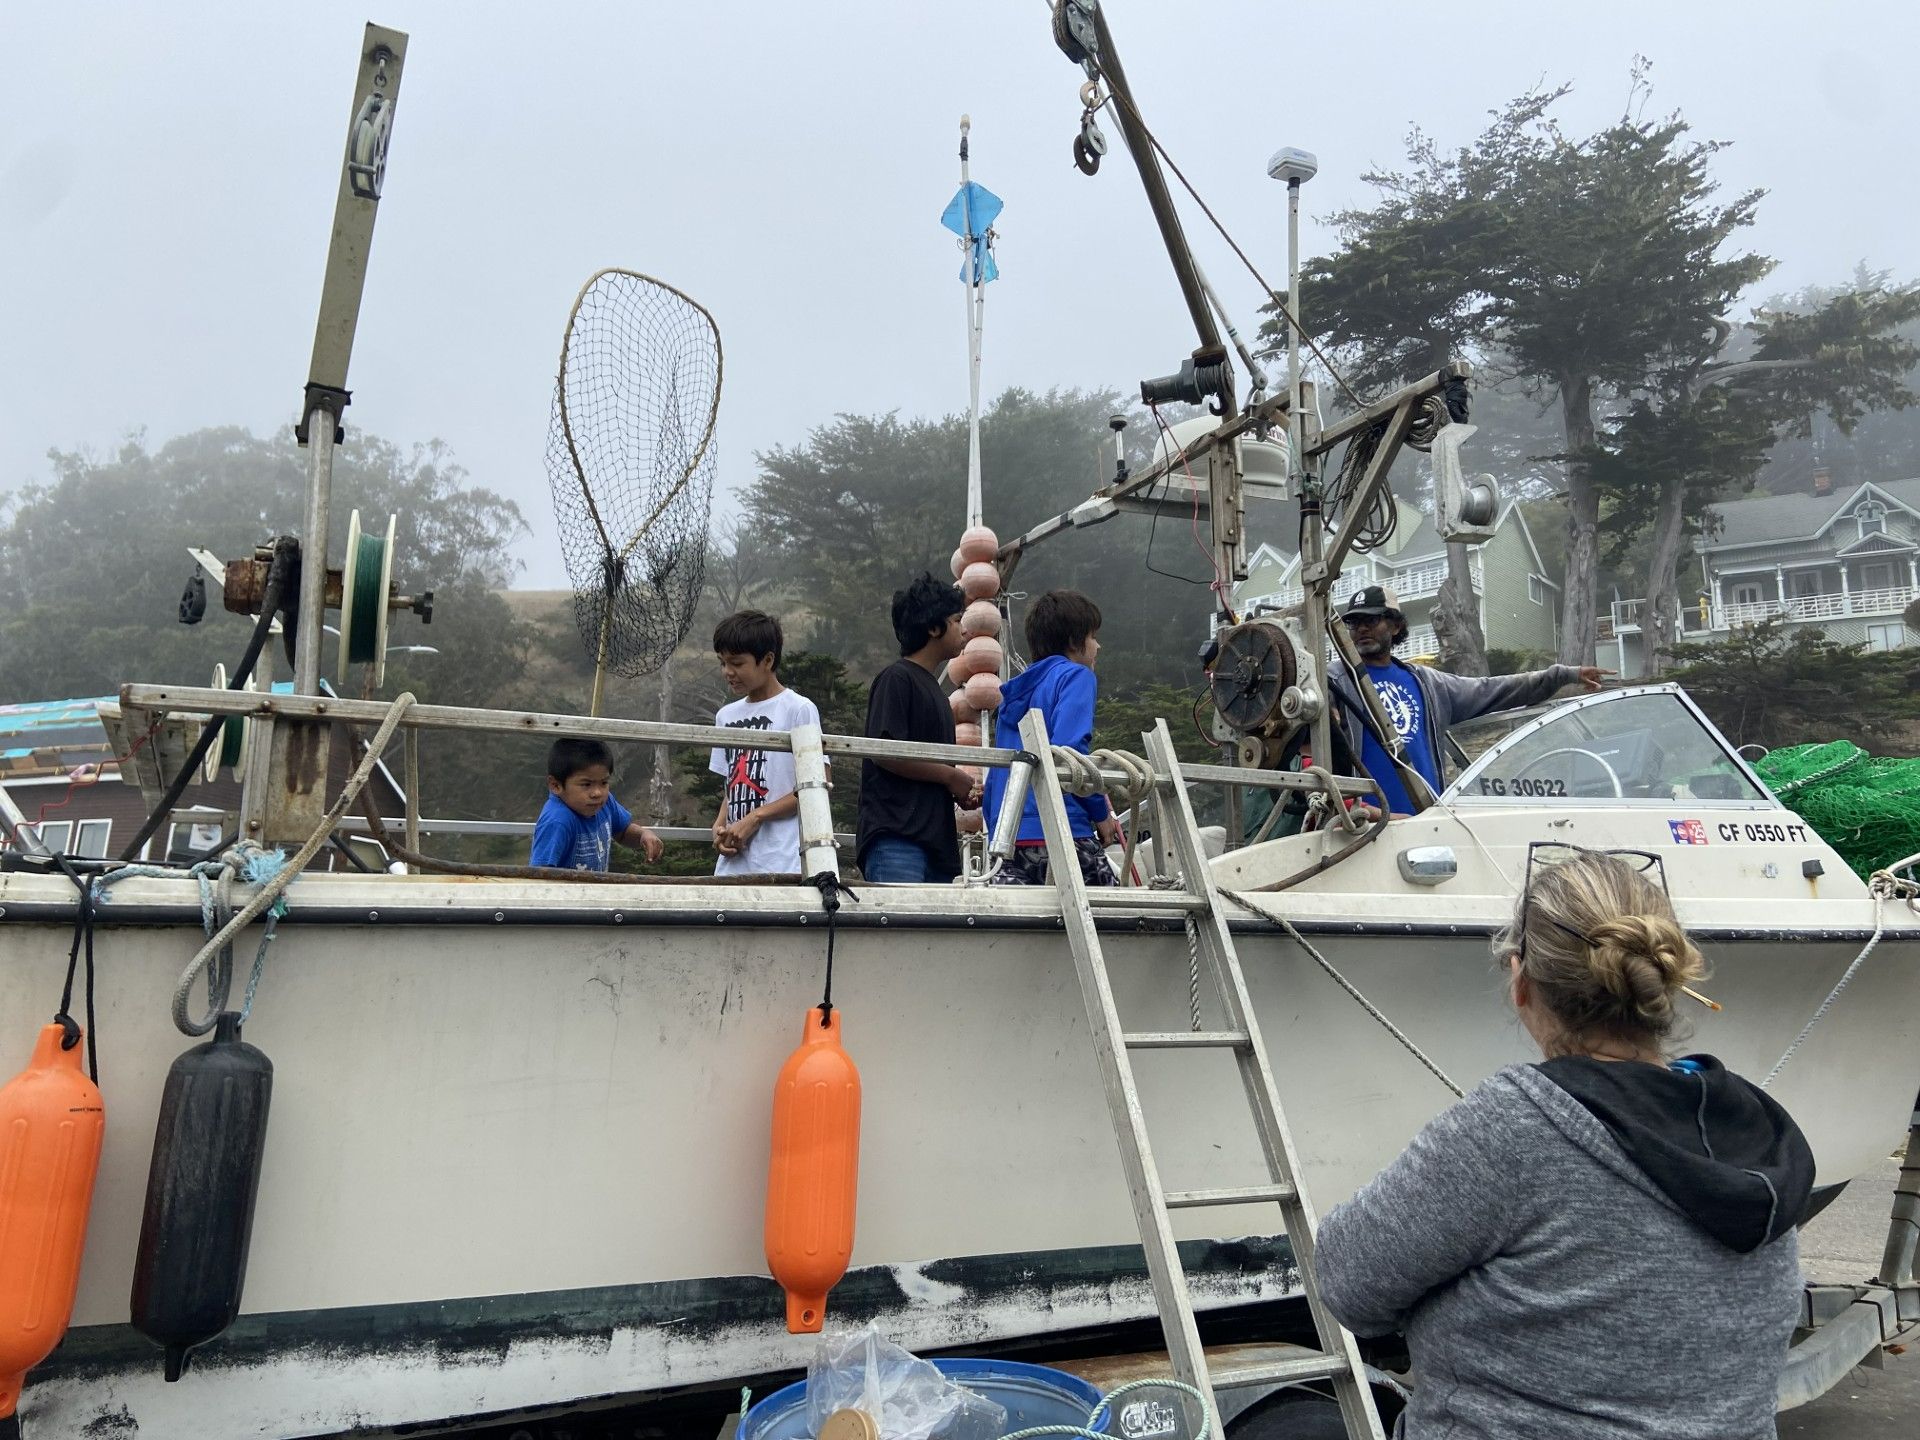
(1338, 1359)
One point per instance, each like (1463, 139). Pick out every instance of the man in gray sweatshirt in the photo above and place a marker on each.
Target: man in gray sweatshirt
(1584, 1250)
(1421, 702)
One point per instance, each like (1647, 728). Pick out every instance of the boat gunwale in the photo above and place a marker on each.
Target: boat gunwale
(125, 914)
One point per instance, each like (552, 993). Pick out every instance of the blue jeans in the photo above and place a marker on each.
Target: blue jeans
(890, 860)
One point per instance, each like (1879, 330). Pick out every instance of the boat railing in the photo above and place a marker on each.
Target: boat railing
(1123, 778)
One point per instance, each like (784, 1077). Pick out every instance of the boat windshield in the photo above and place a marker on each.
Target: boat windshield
(1626, 745)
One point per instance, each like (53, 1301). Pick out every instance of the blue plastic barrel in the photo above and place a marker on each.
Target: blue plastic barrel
(1030, 1394)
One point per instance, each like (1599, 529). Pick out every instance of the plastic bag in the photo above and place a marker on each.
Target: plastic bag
(907, 1396)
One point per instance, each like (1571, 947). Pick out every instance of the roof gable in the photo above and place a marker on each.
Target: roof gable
(1775, 519)
(1872, 544)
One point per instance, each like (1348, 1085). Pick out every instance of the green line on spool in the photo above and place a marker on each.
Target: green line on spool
(230, 735)
(363, 619)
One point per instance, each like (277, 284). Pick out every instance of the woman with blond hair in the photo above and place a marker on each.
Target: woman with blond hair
(1599, 1245)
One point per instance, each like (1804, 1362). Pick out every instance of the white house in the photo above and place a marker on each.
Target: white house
(1844, 561)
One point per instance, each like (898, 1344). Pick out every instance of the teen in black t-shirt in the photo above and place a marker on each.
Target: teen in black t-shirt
(907, 835)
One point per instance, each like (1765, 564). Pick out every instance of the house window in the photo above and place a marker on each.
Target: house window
(1804, 583)
(1877, 576)
(1886, 637)
(192, 842)
(1536, 590)
(86, 839)
(55, 834)
(1747, 592)
(1872, 519)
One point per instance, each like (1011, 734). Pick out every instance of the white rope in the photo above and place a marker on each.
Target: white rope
(1193, 971)
(1082, 775)
(1882, 884)
(1352, 990)
(270, 891)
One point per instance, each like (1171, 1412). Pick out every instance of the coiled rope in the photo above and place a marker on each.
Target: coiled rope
(276, 875)
(1081, 775)
(1106, 1403)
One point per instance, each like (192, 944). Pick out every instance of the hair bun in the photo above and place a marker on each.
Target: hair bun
(1641, 960)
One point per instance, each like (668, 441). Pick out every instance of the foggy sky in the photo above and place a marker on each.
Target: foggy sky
(167, 180)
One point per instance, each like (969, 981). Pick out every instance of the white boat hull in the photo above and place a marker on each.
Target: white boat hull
(519, 1133)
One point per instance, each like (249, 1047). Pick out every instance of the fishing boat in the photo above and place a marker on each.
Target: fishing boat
(517, 1163)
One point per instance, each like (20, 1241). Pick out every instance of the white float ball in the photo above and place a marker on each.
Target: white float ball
(983, 691)
(979, 543)
(982, 617)
(979, 581)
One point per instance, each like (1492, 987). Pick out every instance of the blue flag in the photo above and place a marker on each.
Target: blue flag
(973, 201)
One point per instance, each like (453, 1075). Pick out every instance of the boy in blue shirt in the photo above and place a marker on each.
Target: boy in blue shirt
(581, 820)
(1063, 636)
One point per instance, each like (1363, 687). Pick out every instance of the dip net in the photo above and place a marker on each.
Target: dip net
(631, 460)
(1867, 808)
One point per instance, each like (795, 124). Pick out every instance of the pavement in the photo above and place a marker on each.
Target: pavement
(1843, 1246)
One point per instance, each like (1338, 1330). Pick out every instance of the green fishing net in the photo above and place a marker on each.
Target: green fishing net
(1867, 808)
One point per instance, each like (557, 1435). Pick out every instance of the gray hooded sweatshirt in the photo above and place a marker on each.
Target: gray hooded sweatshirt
(1451, 698)
(1549, 1286)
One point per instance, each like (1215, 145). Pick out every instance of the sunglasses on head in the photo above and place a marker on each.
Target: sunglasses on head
(1559, 851)
(1641, 860)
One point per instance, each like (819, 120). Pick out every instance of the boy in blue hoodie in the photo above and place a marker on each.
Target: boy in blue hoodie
(1063, 630)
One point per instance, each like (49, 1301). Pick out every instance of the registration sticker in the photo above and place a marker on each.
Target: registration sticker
(1688, 832)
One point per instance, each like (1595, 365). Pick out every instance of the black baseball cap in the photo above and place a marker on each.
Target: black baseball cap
(1373, 600)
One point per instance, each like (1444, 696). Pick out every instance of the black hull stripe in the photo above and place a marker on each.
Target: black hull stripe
(118, 914)
(482, 1328)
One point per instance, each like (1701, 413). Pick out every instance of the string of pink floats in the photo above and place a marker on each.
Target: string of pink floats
(976, 669)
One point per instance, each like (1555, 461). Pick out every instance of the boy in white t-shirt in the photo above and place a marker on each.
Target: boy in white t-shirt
(757, 831)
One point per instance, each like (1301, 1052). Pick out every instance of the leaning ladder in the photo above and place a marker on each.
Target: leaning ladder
(1338, 1360)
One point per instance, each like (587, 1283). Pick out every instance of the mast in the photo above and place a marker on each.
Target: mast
(976, 320)
(383, 53)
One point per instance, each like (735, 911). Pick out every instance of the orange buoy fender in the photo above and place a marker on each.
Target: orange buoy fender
(813, 1172)
(51, 1126)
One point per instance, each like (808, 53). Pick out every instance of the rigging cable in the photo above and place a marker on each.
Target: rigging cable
(1279, 300)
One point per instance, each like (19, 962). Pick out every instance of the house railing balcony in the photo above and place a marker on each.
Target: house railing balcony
(1889, 601)
(1628, 617)
(1422, 582)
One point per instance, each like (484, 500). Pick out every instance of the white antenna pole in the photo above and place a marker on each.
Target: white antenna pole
(976, 319)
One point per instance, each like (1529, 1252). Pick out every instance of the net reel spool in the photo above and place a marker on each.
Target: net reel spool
(227, 752)
(366, 581)
(1264, 685)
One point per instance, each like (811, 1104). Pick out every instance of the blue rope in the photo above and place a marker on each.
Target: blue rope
(253, 864)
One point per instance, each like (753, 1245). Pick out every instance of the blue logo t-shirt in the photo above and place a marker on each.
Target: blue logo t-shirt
(1406, 709)
(563, 840)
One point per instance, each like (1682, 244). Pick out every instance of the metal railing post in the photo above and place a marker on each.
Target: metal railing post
(817, 855)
